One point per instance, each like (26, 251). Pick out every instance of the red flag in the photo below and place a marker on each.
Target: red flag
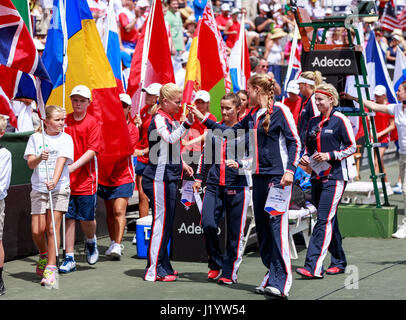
(5, 108)
(151, 61)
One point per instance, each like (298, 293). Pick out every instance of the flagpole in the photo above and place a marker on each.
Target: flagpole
(290, 65)
(242, 32)
(62, 10)
(145, 52)
(51, 207)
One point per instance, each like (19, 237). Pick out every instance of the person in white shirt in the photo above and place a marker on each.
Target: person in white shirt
(23, 108)
(5, 177)
(49, 153)
(398, 111)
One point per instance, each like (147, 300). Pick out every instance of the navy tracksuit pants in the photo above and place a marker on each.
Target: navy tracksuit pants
(273, 235)
(231, 202)
(326, 236)
(162, 200)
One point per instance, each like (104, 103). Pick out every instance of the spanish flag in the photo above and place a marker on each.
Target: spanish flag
(74, 55)
(208, 66)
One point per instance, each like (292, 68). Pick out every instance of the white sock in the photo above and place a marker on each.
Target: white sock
(91, 240)
(70, 254)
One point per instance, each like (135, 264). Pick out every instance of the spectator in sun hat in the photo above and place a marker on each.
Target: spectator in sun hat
(394, 46)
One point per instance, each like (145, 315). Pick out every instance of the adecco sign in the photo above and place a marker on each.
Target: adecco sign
(343, 62)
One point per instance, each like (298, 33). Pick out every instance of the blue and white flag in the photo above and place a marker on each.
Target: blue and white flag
(240, 68)
(400, 69)
(376, 68)
(111, 44)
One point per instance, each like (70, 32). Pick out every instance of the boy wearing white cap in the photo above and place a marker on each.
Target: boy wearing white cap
(293, 100)
(85, 131)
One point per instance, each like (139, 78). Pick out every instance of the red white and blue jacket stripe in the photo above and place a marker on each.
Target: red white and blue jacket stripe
(275, 152)
(165, 159)
(333, 135)
(216, 150)
(308, 111)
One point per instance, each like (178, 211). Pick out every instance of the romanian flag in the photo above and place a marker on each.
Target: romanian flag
(208, 66)
(151, 62)
(73, 30)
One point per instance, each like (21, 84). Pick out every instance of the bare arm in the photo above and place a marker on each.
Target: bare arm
(85, 158)
(367, 103)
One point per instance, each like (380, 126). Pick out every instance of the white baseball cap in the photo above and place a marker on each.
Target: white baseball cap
(125, 98)
(379, 90)
(202, 95)
(82, 91)
(142, 4)
(293, 87)
(264, 7)
(153, 89)
(225, 7)
(277, 7)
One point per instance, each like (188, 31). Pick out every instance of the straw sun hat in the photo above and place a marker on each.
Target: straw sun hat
(278, 33)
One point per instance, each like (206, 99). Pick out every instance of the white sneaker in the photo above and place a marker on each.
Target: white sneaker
(260, 289)
(108, 251)
(273, 292)
(397, 189)
(135, 239)
(401, 232)
(91, 251)
(116, 251)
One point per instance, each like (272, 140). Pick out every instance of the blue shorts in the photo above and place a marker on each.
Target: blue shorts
(123, 191)
(82, 207)
(139, 168)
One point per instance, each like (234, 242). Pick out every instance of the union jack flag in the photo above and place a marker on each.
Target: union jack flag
(22, 73)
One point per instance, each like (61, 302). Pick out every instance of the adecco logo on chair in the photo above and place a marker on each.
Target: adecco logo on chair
(333, 62)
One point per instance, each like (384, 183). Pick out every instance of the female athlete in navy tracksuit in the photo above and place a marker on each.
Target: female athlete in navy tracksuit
(227, 194)
(307, 81)
(275, 158)
(329, 139)
(160, 179)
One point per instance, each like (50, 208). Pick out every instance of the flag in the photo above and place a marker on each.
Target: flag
(151, 62)
(294, 66)
(389, 21)
(111, 45)
(376, 68)
(402, 19)
(240, 68)
(5, 109)
(22, 73)
(400, 69)
(208, 65)
(86, 64)
(23, 7)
